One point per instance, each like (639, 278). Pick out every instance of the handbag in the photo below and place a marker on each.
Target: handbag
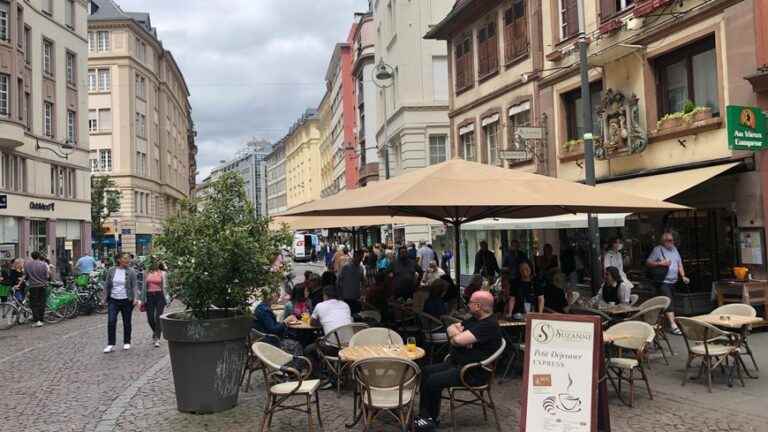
(658, 274)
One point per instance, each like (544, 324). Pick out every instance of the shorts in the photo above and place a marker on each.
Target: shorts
(665, 289)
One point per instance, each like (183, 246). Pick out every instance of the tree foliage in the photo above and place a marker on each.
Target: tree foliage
(218, 252)
(105, 201)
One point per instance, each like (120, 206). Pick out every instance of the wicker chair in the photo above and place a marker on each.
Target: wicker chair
(387, 385)
(653, 316)
(370, 315)
(633, 299)
(582, 310)
(481, 395)
(745, 310)
(284, 382)
(376, 336)
(334, 341)
(655, 301)
(639, 335)
(252, 363)
(434, 334)
(713, 346)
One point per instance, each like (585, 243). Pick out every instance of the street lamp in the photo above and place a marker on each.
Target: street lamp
(62, 150)
(384, 77)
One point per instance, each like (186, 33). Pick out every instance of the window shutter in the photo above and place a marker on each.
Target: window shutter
(492, 50)
(510, 35)
(571, 17)
(607, 9)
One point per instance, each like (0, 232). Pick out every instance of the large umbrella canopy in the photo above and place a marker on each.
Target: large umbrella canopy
(342, 222)
(459, 191)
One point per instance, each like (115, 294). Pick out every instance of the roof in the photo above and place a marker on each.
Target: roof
(108, 10)
(463, 12)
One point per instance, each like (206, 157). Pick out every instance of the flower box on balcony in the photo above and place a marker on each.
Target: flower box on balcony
(611, 26)
(647, 7)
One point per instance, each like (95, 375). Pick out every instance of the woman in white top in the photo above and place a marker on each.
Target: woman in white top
(614, 258)
(122, 295)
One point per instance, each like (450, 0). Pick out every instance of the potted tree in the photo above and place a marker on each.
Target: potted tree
(219, 255)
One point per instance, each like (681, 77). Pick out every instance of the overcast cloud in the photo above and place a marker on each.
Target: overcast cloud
(252, 66)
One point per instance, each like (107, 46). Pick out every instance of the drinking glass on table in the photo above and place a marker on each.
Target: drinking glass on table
(305, 318)
(411, 344)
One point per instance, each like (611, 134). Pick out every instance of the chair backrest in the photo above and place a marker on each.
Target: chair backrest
(633, 298)
(739, 309)
(574, 297)
(386, 374)
(370, 315)
(448, 320)
(376, 336)
(698, 331)
(341, 336)
(656, 301)
(638, 334)
(649, 315)
(270, 355)
(430, 324)
(581, 310)
(490, 361)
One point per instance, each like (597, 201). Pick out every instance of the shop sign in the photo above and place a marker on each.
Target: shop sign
(126, 231)
(7, 252)
(41, 206)
(746, 128)
(562, 360)
(3, 201)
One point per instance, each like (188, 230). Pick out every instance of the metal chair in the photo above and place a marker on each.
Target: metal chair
(387, 385)
(329, 346)
(638, 335)
(252, 363)
(654, 316)
(376, 336)
(582, 310)
(713, 346)
(482, 394)
(434, 334)
(745, 310)
(284, 382)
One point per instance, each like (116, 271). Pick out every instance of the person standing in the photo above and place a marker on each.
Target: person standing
(485, 262)
(667, 256)
(547, 263)
(85, 265)
(340, 259)
(526, 293)
(412, 252)
(351, 280)
(153, 297)
(426, 256)
(37, 275)
(13, 277)
(121, 291)
(445, 260)
(513, 258)
(614, 258)
(405, 272)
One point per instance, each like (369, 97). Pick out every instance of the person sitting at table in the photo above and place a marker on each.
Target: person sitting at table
(472, 341)
(526, 294)
(432, 274)
(613, 290)
(332, 313)
(278, 333)
(299, 302)
(475, 284)
(435, 305)
(451, 296)
(555, 294)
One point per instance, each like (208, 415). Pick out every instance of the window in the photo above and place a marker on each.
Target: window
(515, 31)
(63, 182)
(491, 134)
(105, 80)
(141, 125)
(12, 172)
(467, 138)
(20, 27)
(437, 149)
(38, 236)
(141, 50)
(487, 49)
(71, 127)
(519, 116)
(48, 119)
(71, 68)
(69, 13)
(100, 120)
(48, 57)
(92, 80)
(141, 163)
(689, 73)
(440, 83)
(21, 101)
(5, 94)
(105, 160)
(464, 60)
(28, 109)
(94, 162)
(27, 45)
(569, 18)
(609, 8)
(93, 121)
(141, 87)
(5, 15)
(574, 111)
(98, 41)
(48, 7)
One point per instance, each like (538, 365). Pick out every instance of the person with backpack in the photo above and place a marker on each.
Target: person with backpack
(665, 267)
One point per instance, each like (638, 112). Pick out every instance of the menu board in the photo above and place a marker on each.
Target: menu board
(561, 373)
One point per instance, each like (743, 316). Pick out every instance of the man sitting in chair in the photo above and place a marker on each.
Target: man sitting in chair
(472, 341)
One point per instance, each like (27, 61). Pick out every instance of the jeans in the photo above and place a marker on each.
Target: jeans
(354, 306)
(155, 307)
(434, 379)
(125, 308)
(37, 302)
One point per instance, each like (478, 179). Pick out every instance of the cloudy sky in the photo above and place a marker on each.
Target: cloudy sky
(252, 66)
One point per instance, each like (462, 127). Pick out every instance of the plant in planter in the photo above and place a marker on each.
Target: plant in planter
(572, 146)
(219, 255)
(697, 114)
(671, 120)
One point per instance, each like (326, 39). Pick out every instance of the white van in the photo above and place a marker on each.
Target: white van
(304, 245)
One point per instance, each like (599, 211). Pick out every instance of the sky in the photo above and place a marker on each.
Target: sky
(252, 66)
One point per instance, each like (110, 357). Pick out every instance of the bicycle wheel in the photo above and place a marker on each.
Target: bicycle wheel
(9, 315)
(70, 310)
(52, 316)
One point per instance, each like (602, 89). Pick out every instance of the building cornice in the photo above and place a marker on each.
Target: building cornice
(490, 96)
(29, 5)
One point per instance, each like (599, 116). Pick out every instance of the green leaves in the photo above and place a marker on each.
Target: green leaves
(105, 201)
(218, 252)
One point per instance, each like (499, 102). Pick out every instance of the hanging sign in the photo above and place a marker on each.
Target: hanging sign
(746, 128)
(562, 360)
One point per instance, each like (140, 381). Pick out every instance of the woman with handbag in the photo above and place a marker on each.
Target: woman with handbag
(153, 295)
(665, 268)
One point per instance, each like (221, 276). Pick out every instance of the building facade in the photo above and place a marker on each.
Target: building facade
(328, 185)
(277, 196)
(139, 121)
(412, 124)
(302, 159)
(44, 174)
(363, 58)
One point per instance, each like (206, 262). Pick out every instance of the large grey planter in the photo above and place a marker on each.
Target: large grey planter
(207, 358)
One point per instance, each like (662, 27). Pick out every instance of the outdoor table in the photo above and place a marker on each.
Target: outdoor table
(619, 309)
(508, 332)
(364, 352)
(732, 322)
(301, 325)
(753, 292)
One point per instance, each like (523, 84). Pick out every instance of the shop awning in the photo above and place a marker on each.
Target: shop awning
(660, 187)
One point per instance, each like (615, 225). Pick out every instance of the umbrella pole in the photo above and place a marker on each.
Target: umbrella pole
(456, 255)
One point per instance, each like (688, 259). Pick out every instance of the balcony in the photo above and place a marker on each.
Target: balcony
(11, 134)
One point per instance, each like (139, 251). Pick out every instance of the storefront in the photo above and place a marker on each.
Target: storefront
(9, 238)
(143, 244)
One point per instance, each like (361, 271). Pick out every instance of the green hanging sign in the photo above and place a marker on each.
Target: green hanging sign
(746, 128)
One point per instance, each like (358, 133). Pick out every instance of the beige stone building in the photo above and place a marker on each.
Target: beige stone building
(328, 185)
(139, 121)
(44, 175)
(277, 196)
(302, 159)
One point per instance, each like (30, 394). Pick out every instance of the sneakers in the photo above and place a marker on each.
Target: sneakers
(676, 331)
(157, 343)
(109, 349)
(126, 347)
(328, 385)
(38, 324)
(425, 424)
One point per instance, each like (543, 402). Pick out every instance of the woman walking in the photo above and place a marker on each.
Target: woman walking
(121, 292)
(153, 297)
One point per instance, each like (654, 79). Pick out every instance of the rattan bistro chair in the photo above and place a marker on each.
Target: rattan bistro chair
(376, 336)
(653, 316)
(284, 382)
(252, 363)
(434, 334)
(329, 346)
(714, 346)
(639, 334)
(745, 310)
(387, 385)
(480, 395)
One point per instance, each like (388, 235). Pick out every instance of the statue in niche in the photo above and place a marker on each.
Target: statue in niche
(620, 121)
